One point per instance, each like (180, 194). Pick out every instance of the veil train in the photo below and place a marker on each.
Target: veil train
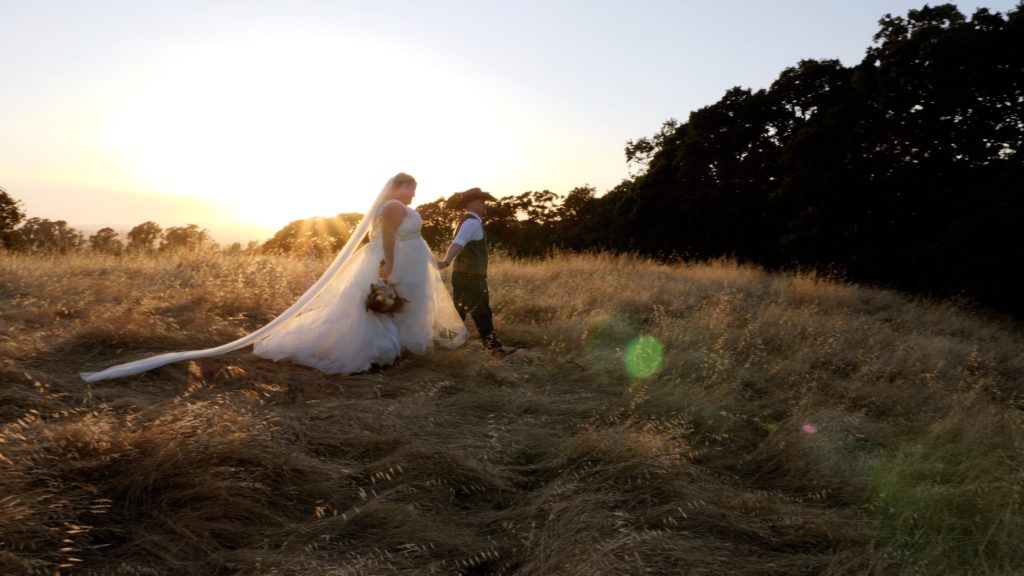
(336, 268)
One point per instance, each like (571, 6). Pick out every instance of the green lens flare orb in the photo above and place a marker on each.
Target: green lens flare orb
(644, 356)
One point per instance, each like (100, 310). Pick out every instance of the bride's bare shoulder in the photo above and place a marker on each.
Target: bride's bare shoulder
(393, 210)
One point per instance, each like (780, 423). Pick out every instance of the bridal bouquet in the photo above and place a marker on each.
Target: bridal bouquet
(384, 299)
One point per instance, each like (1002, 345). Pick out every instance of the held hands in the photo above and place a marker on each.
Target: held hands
(441, 264)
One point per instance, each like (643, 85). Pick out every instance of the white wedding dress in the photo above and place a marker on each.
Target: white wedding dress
(329, 327)
(337, 334)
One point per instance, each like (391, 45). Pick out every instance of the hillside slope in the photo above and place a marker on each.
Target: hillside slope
(692, 418)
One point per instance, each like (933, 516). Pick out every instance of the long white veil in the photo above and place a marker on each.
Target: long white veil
(336, 267)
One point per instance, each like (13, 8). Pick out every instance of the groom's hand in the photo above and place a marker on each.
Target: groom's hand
(441, 264)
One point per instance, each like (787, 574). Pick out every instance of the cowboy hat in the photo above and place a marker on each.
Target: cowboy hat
(460, 199)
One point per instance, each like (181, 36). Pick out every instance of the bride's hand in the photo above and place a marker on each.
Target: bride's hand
(385, 270)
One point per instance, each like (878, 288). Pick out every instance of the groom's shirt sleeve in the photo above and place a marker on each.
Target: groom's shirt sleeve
(468, 232)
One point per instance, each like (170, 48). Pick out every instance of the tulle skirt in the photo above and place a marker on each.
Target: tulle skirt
(335, 333)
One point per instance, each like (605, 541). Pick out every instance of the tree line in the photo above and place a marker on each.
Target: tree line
(41, 235)
(903, 170)
(530, 224)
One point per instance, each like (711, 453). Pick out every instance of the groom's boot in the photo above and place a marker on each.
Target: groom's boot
(492, 343)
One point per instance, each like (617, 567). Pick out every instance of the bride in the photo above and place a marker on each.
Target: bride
(330, 327)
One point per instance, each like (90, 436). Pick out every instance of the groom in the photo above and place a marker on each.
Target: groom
(469, 252)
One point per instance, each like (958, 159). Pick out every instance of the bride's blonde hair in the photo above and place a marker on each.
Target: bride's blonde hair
(401, 179)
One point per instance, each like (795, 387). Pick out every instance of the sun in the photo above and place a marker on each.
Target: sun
(280, 128)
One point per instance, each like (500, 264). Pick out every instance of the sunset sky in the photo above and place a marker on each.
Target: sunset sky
(242, 116)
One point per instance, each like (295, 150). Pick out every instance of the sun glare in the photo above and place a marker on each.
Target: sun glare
(280, 128)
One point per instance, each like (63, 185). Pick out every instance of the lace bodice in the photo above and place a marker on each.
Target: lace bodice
(408, 230)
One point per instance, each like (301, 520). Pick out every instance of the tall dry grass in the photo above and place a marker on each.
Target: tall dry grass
(789, 425)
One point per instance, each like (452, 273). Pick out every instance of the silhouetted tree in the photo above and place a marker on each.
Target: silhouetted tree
(439, 222)
(11, 216)
(641, 151)
(143, 237)
(905, 169)
(576, 220)
(314, 236)
(523, 224)
(105, 241)
(43, 235)
(190, 238)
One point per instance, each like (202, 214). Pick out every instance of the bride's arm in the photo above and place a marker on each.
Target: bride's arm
(391, 218)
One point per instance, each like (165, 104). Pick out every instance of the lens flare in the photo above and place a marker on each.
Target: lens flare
(644, 356)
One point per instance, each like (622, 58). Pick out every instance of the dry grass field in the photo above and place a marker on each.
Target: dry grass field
(660, 419)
